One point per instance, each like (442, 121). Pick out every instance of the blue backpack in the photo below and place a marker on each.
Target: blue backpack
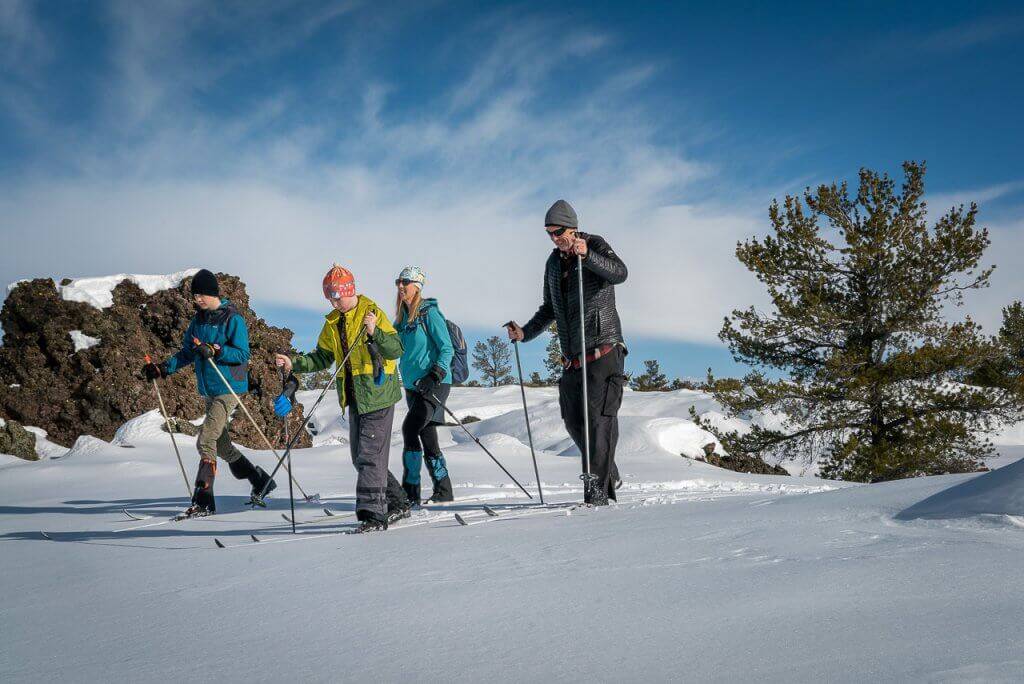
(460, 363)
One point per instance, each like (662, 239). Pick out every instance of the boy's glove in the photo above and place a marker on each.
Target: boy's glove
(153, 371)
(208, 351)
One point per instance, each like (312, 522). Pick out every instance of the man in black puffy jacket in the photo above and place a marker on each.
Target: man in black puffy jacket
(605, 349)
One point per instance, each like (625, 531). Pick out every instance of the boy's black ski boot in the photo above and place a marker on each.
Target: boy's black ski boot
(203, 502)
(243, 469)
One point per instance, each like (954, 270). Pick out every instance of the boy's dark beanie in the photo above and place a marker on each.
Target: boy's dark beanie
(205, 283)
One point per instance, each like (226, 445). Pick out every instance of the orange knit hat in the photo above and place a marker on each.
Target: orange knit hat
(339, 282)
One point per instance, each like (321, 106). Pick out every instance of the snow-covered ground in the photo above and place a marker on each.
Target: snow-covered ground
(698, 574)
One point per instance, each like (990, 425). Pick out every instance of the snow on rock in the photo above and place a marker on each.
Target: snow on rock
(679, 436)
(148, 426)
(82, 341)
(86, 445)
(999, 492)
(44, 447)
(99, 292)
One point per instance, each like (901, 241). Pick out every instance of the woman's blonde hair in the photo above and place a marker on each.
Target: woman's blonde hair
(408, 315)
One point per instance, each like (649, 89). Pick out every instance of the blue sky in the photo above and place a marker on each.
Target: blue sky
(271, 139)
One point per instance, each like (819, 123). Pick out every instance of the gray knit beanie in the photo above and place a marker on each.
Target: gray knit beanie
(561, 213)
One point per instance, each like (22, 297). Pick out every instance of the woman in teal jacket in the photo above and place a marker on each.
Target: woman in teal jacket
(427, 377)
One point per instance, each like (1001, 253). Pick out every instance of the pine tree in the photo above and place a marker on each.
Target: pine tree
(876, 385)
(315, 380)
(553, 358)
(492, 358)
(651, 380)
(535, 380)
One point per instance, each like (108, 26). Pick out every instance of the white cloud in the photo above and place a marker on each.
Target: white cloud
(459, 185)
(940, 203)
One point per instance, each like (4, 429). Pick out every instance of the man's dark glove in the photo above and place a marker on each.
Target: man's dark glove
(208, 351)
(152, 371)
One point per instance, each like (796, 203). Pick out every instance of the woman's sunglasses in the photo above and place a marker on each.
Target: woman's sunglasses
(404, 281)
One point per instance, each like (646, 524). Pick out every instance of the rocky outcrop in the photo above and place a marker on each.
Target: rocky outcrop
(72, 368)
(17, 441)
(741, 463)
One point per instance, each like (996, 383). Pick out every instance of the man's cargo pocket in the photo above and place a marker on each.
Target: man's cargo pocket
(613, 394)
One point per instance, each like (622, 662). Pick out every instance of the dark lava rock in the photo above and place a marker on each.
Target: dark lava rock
(44, 382)
(741, 463)
(17, 441)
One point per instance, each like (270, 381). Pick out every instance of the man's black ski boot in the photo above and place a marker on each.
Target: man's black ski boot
(593, 493)
(203, 502)
(243, 469)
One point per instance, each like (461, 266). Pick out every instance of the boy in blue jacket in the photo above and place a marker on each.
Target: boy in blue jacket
(217, 332)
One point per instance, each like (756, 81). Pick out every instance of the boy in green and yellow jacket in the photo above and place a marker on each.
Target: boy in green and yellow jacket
(359, 332)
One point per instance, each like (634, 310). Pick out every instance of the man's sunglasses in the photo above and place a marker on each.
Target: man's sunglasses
(558, 232)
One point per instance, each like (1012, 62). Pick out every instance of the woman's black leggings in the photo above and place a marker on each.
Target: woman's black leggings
(419, 432)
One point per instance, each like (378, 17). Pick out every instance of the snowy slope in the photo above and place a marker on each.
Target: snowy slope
(697, 575)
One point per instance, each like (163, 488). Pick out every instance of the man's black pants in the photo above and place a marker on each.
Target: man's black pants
(605, 381)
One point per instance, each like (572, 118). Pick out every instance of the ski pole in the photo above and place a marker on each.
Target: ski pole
(309, 414)
(480, 444)
(252, 420)
(587, 478)
(174, 442)
(526, 412)
(291, 492)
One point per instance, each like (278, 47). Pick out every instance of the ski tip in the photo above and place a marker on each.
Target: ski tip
(490, 511)
(461, 520)
(328, 512)
(133, 516)
(254, 538)
(219, 544)
(45, 535)
(285, 516)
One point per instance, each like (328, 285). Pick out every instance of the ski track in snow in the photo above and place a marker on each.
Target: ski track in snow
(697, 574)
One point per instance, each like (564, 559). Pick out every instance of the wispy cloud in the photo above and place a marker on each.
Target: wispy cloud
(291, 174)
(902, 44)
(941, 202)
(971, 33)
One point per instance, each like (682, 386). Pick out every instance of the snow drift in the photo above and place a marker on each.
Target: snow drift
(999, 492)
